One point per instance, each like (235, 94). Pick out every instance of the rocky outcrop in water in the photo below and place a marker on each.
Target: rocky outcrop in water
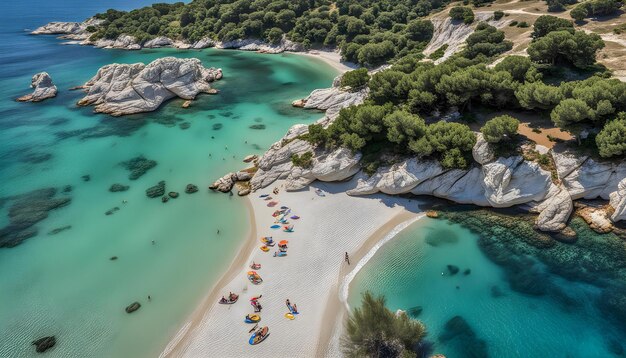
(27, 210)
(156, 191)
(121, 89)
(114, 188)
(70, 30)
(44, 88)
(226, 183)
(618, 202)
(44, 343)
(138, 166)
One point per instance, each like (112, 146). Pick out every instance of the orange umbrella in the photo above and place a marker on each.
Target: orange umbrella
(284, 242)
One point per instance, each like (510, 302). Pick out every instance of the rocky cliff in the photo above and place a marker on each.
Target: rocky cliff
(44, 88)
(491, 181)
(120, 89)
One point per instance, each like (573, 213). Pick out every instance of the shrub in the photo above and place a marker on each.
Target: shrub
(497, 15)
(463, 13)
(499, 127)
(355, 79)
(523, 24)
(302, 161)
(438, 53)
(611, 141)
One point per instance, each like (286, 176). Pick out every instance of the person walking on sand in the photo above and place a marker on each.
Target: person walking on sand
(288, 304)
(347, 258)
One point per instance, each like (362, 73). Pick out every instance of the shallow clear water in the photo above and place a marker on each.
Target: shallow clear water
(65, 284)
(408, 271)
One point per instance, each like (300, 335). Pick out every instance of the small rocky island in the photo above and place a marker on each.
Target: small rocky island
(44, 88)
(121, 89)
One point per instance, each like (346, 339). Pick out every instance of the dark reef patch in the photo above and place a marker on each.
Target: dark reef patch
(441, 237)
(121, 127)
(25, 211)
(118, 187)
(138, 166)
(217, 126)
(35, 158)
(257, 126)
(156, 190)
(59, 230)
(184, 125)
(459, 333)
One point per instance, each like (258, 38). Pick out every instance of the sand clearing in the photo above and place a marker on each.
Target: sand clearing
(310, 275)
(332, 58)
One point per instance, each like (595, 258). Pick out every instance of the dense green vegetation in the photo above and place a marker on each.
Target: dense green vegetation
(611, 140)
(546, 24)
(559, 5)
(303, 161)
(375, 331)
(596, 8)
(499, 128)
(368, 32)
(577, 48)
(486, 41)
(462, 13)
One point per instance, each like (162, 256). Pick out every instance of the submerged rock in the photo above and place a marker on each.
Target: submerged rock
(120, 89)
(112, 211)
(157, 190)
(27, 210)
(113, 258)
(226, 183)
(44, 343)
(138, 166)
(114, 188)
(184, 125)
(44, 88)
(173, 194)
(59, 230)
(217, 126)
(458, 332)
(132, 307)
(257, 126)
(190, 189)
(452, 270)
(86, 177)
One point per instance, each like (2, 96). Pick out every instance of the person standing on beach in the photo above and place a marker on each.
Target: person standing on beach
(347, 259)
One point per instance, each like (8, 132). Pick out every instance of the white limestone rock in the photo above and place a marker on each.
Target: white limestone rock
(618, 202)
(44, 88)
(511, 181)
(337, 165)
(554, 212)
(261, 46)
(157, 42)
(69, 30)
(203, 43)
(482, 152)
(331, 100)
(120, 89)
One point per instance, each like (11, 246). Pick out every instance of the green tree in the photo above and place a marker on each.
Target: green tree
(486, 40)
(538, 95)
(578, 48)
(579, 13)
(611, 141)
(499, 127)
(420, 30)
(402, 127)
(517, 66)
(375, 331)
(274, 35)
(355, 79)
(546, 24)
(571, 112)
(462, 13)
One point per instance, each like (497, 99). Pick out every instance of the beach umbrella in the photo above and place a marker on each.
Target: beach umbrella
(283, 242)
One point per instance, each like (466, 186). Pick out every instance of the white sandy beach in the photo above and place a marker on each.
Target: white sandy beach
(310, 275)
(333, 58)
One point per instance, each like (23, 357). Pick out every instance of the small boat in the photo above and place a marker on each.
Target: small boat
(295, 217)
(274, 226)
(272, 204)
(289, 316)
(254, 277)
(259, 336)
(229, 301)
(320, 192)
(264, 248)
(255, 266)
(264, 196)
(280, 254)
(252, 318)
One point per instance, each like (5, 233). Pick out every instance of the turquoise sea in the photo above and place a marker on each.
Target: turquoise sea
(516, 305)
(64, 284)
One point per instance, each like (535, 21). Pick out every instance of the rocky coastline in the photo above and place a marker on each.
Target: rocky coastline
(121, 89)
(491, 181)
(78, 32)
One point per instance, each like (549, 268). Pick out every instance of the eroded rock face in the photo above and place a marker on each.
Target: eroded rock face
(482, 152)
(261, 46)
(69, 30)
(511, 181)
(331, 100)
(618, 202)
(586, 178)
(44, 88)
(554, 212)
(121, 89)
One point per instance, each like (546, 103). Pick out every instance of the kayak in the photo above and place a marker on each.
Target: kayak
(264, 248)
(295, 217)
(252, 318)
(257, 338)
(274, 226)
(280, 254)
(264, 196)
(289, 316)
